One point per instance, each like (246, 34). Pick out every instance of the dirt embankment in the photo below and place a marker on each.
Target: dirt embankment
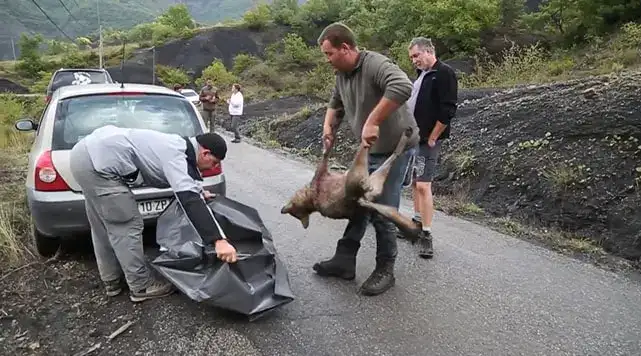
(195, 54)
(565, 156)
(9, 86)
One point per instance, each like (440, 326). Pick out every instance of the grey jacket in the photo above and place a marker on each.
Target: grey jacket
(161, 160)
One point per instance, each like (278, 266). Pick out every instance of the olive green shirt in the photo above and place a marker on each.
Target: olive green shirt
(359, 91)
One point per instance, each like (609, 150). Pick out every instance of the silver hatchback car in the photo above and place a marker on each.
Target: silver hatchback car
(55, 201)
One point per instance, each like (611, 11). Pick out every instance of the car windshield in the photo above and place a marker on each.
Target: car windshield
(77, 78)
(189, 93)
(79, 116)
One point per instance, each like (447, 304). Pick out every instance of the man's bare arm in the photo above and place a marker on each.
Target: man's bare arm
(437, 131)
(334, 109)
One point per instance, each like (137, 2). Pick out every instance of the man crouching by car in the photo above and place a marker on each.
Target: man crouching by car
(104, 161)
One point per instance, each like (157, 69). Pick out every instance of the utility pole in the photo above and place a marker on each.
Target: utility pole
(153, 65)
(13, 48)
(99, 34)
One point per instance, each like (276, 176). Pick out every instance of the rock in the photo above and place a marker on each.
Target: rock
(589, 93)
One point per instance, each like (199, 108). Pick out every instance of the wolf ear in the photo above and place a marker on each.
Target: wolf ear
(305, 221)
(287, 208)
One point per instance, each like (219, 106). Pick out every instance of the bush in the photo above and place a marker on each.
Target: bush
(242, 62)
(296, 51)
(171, 76)
(515, 65)
(263, 75)
(218, 75)
(40, 85)
(320, 81)
(258, 18)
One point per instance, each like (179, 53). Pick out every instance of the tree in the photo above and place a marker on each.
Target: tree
(177, 17)
(258, 17)
(30, 63)
(284, 11)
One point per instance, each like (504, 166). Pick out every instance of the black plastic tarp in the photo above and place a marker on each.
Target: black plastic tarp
(258, 282)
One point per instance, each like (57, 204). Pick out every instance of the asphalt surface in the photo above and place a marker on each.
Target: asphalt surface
(483, 293)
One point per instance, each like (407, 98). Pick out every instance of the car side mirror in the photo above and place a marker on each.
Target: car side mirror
(26, 125)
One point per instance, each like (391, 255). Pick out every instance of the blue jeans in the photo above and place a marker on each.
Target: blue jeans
(386, 248)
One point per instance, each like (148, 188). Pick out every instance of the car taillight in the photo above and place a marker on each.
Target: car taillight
(47, 99)
(213, 171)
(47, 178)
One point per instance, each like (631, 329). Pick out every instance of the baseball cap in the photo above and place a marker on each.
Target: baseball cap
(214, 143)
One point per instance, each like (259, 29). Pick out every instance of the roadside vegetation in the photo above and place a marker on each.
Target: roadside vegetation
(500, 42)
(14, 148)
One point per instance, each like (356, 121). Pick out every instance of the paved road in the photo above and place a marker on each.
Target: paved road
(483, 294)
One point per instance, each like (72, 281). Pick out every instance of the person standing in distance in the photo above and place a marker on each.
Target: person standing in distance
(370, 92)
(209, 98)
(433, 104)
(236, 110)
(107, 162)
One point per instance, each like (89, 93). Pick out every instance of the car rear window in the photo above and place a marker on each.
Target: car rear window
(77, 78)
(79, 116)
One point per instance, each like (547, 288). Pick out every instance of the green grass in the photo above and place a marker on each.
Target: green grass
(14, 148)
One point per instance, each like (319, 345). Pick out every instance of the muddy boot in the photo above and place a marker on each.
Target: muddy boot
(113, 288)
(381, 279)
(156, 289)
(425, 245)
(343, 264)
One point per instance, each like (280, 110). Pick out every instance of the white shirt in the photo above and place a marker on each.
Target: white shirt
(411, 103)
(236, 104)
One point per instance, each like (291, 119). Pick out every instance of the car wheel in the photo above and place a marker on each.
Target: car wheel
(45, 245)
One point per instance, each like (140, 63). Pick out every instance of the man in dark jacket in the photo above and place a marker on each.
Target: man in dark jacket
(433, 104)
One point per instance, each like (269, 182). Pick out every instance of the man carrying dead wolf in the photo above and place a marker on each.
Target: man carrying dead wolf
(371, 92)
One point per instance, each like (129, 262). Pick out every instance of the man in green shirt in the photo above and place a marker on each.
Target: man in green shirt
(370, 92)
(209, 98)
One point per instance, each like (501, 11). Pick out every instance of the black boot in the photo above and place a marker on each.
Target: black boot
(425, 245)
(381, 279)
(343, 264)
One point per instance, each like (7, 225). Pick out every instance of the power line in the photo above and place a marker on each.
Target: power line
(50, 20)
(69, 12)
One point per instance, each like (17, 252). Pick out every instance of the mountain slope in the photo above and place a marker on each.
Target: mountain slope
(20, 16)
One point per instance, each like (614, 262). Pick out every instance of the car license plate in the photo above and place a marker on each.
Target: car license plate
(152, 207)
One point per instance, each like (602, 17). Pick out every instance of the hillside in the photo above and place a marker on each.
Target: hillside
(567, 174)
(81, 19)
